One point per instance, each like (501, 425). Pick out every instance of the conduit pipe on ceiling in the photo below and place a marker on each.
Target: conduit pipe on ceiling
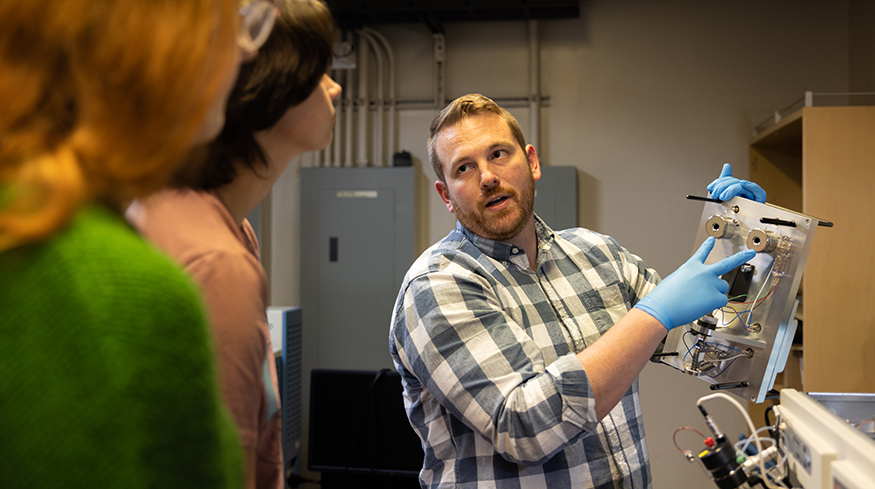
(337, 142)
(390, 99)
(440, 70)
(534, 84)
(362, 104)
(351, 126)
(348, 92)
(324, 157)
(377, 138)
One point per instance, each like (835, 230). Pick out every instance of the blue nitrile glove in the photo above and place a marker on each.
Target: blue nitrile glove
(693, 290)
(726, 187)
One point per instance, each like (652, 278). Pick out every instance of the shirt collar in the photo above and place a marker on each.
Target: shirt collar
(503, 251)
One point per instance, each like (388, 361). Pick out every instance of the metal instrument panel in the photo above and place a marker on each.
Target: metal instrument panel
(759, 318)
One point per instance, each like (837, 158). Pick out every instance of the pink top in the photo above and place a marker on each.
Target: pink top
(197, 230)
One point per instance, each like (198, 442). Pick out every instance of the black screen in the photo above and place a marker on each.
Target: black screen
(358, 424)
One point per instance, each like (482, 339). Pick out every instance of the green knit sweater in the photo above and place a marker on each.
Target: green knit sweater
(107, 376)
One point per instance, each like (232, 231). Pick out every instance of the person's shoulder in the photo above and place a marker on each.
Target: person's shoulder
(588, 241)
(452, 249)
(102, 236)
(117, 324)
(174, 205)
(228, 267)
(106, 256)
(99, 271)
(186, 224)
(585, 237)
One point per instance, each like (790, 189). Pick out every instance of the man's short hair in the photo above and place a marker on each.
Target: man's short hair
(284, 73)
(459, 109)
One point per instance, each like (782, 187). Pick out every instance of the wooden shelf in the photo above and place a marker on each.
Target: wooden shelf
(821, 160)
(787, 132)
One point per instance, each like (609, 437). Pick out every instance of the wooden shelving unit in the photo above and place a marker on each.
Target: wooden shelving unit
(821, 161)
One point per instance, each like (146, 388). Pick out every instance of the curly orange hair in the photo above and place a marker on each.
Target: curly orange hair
(101, 100)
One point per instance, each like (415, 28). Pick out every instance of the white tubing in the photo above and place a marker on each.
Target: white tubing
(750, 426)
(534, 85)
(337, 142)
(377, 158)
(348, 118)
(440, 70)
(362, 104)
(390, 101)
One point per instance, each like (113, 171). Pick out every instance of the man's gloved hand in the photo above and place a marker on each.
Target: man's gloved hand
(693, 290)
(726, 187)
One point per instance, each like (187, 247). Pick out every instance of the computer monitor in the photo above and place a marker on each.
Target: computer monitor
(358, 425)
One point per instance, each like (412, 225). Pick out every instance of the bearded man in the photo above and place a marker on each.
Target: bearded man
(519, 347)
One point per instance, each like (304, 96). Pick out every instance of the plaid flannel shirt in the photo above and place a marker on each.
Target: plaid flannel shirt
(486, 350)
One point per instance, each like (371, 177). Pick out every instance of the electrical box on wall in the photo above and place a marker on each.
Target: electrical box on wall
(556, 196)
(357, 242)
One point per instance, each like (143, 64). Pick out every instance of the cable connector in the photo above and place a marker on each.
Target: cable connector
(690, 456)
(712, 425)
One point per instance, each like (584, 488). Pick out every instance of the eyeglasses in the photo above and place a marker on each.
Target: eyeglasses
(258, 19)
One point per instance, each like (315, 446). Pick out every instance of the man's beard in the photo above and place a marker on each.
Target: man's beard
(503, 225)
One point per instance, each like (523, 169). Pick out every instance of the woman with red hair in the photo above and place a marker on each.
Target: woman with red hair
(107, 375)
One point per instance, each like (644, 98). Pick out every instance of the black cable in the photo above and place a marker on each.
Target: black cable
(773, 433)
(684, 340)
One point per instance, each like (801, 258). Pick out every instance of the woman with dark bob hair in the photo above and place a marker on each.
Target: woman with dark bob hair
(282, 106)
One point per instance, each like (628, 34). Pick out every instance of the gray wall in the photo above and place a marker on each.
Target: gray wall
(647, 99)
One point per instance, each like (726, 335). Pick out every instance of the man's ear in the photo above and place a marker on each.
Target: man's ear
(442, 190)
(534, 164)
